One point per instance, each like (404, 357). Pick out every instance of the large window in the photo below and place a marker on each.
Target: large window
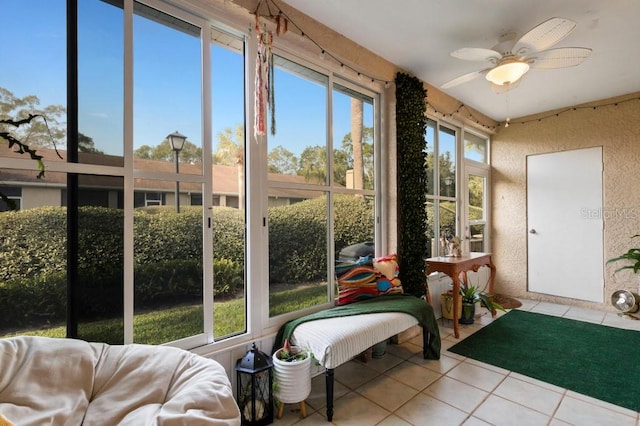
(455, 192)
(321, 184)
(33, 291)
(442, 205)
(130, 237)
(100, 82)
(143, 264)
(476, 180)
(228, 178)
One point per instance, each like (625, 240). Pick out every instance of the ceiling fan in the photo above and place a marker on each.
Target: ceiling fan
(510, 59)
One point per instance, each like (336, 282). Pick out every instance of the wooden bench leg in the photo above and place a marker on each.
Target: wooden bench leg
(303, 410)
(329, 381)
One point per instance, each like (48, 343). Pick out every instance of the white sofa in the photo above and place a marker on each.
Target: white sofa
(46, 381)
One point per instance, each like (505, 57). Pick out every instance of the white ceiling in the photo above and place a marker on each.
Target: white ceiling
(419, 35)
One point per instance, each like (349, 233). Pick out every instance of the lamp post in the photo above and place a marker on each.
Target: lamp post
(448, 181)
(176, 140)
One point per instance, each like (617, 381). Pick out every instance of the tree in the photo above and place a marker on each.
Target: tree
(356, 139)
(282, 161)
(190, 152)
(145, 151)
(346, 153)
(313, 164)
(230, 149)
(342, 162)
(447, 170)
(476, 192)
(230, 152)
(86, 144)
(40, 133)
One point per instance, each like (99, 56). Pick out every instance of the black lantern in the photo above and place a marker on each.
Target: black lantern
(254, 387)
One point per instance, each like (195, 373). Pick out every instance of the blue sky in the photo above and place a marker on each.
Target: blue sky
(167, 78)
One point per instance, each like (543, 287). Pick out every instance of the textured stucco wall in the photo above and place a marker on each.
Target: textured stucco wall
(613, 124)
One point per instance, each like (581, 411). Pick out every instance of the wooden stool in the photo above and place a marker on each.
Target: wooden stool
(303, 410)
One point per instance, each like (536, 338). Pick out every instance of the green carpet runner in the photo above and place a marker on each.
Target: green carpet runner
(595, 360)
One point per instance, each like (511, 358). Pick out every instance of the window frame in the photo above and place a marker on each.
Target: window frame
(272, 323)
(255, 171)
(463, 166)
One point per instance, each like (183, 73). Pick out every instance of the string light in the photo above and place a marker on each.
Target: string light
(557, 114)
(458, 111)
(508, 121)
(343, 68)
(279, 13)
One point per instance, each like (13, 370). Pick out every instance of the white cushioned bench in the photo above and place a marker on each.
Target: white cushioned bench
(334, 341)
(336, 335)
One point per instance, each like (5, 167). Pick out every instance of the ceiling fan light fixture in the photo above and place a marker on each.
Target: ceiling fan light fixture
(507, 72)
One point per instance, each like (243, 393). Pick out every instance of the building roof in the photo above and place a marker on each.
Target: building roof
(225, 178)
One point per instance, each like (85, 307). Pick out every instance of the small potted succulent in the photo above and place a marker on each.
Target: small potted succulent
(470, 295)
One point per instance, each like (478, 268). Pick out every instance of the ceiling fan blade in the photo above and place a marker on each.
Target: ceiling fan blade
(463, 79)
(476, 54)
(497, 88)
(560, 58)
(544, 36)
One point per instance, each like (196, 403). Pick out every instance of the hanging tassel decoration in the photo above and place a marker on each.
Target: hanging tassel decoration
(262, 82)
(272, 95)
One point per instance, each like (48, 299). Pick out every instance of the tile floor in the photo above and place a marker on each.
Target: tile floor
(401, 388)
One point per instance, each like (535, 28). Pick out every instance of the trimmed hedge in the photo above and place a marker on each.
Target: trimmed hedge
(32, 242)
(298, 242)
(167, 254)
(298, 236)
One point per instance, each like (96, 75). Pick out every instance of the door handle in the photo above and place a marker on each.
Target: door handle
(532, 231)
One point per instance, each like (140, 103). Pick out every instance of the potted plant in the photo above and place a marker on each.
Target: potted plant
(292, 376)
(632, 255)
(470, 295)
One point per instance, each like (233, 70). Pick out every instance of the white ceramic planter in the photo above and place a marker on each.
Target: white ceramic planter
(293, 379)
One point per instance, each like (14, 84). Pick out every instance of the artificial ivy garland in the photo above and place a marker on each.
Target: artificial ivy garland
(411, 123)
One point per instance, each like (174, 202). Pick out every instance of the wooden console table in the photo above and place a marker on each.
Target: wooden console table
(453, 267)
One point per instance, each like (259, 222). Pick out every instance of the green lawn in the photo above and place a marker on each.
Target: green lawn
(175, 323)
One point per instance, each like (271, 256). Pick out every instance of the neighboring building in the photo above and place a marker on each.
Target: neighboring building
(28, 191)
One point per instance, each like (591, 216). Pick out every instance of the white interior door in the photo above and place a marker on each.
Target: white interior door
(564, 217)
